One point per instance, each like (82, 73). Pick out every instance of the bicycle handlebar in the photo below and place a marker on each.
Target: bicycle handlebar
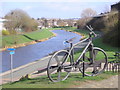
(91, 30)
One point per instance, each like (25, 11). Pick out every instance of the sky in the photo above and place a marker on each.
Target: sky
(55, 8)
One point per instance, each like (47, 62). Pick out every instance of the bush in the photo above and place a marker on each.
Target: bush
(112, 36)
(13, 32)
(109, 25)
(111, 32)
(62, 26)
(5, 32)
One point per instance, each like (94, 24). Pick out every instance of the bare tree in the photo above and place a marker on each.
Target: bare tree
(87, 13)
(86, 16)
(18, 19)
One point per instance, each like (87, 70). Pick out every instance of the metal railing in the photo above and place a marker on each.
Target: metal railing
(114, 65)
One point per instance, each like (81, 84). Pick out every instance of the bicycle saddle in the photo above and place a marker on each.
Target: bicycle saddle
(71, 40)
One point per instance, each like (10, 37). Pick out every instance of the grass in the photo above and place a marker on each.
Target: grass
(43, 81)
(41, 34)
(110, 51)
(35, 35)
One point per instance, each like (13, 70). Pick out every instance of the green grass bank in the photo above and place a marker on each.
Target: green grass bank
(26, 38)
(110, 50)
(70, 82)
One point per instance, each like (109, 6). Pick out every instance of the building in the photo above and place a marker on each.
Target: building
(2, 24)
(55, 22)
(115, 7)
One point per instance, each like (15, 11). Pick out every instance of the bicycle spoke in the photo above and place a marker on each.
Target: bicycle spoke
(56, 66)
(57, 59)
(59, 75)
(97, 66)
(86, 66)
(95, 53)
(100, 61)
(86, 58)
(64, 59)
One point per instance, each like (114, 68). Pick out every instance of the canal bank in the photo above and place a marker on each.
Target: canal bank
(30, 68)
(40, 40)
(37, 51)
(30, 42)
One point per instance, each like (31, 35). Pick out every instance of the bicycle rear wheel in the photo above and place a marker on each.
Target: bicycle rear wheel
(59, 67)
(96, 67)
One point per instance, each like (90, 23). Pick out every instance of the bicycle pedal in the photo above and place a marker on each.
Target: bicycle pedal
(95, 71)
(68, 69)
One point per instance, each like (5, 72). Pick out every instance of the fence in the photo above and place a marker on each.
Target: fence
(114, 65)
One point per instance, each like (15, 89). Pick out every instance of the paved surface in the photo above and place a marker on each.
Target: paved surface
(23, 70)
(30, 68)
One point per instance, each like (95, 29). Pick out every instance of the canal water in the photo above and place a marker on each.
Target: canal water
(30, 53)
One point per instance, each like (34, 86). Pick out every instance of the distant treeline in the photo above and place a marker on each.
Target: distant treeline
(62, 26)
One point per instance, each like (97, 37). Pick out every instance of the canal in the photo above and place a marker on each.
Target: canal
(30, 53)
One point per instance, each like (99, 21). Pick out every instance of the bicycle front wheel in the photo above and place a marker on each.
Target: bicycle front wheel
(97, 66)
(59, 66)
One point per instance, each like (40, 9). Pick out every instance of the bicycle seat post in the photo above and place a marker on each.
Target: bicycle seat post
(72, 52)
(71, 45)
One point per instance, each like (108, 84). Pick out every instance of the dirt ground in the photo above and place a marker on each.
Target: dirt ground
(112, 82)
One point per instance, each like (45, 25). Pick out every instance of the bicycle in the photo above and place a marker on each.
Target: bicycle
(91, 62)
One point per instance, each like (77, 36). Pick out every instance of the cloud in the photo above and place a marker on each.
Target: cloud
(26, 8)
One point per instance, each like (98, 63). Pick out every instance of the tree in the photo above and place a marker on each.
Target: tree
(19, 19)
(87, 13)
(86, 16)
(45, 22)
(70, 22)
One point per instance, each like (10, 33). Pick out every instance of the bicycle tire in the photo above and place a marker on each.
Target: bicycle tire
(99, 65)
(59, 68)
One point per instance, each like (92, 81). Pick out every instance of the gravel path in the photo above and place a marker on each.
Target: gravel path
(112, 82)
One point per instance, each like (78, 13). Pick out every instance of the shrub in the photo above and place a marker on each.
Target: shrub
(112, 36)
(13, 32)
(109, 25)
(111, 32)
(5, 32)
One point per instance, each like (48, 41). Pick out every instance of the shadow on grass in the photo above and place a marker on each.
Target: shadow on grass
(30, 38)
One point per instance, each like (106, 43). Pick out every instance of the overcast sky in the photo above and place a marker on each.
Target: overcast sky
(55, 8)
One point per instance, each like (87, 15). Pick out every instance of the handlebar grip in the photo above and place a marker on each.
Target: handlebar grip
(94, 34)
